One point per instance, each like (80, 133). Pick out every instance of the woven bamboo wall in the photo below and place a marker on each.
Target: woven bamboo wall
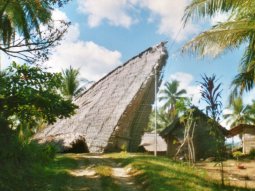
(248, 140)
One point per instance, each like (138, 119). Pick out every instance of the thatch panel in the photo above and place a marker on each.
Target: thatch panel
(102, 107)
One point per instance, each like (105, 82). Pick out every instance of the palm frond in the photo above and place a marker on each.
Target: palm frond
(203, 8)
(223, 36)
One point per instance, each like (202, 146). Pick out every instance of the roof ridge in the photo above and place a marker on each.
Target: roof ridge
(161, 44)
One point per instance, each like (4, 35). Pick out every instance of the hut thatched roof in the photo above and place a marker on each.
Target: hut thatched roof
(197, 114)
(239, 129)
(148, 142)
(114, 111)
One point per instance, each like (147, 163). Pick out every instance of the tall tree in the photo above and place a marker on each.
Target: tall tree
(171, 94)
(211, 94)
(26, 28)
(236, 31)
(29, 93)
(163, 120)
(240, 113)
(71, 83)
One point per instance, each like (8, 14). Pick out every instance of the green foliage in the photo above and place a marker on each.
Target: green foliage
(21, 26)
(252, 154)
(29, 93)
(171, 95)
(241, 114)
(20, 161)
(175, 103)
(237, 154)
(236, 31)
(70, 87)
(211, 93)
(123, 148)
(160, 173)
(163, 120)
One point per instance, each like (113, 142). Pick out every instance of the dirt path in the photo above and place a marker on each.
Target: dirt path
(104, 173)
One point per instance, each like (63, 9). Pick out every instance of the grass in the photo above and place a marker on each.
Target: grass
(150, 173)
(58, 178)
(162, 174)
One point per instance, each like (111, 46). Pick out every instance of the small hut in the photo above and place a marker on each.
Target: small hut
(148, 143)
(204, 142)
(248, 136)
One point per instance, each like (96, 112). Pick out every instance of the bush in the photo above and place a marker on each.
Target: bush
(21, 162)
(252, 154)
(237, 154)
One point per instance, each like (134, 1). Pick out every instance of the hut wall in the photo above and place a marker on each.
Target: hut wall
(172, 145)
(204, 141)
(248, 140)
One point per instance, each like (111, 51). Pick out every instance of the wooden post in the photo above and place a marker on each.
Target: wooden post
(156, 84)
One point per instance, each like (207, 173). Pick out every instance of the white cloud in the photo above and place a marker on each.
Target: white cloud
(169, 14)
(93, 60)
(186, 82)
(113, 11)
(59, 15)
(165, 13)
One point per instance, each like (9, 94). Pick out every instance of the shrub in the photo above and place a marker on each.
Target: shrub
(252, 154)
(237, 154)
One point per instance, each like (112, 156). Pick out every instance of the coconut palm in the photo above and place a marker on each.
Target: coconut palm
(163, 120)
(237, 30)
(171, 94)
(241, 114)
(71, 82)
(26, 29)
(22, 17)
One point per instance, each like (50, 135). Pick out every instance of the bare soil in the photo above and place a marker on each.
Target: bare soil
(120, 176)
(233, 175)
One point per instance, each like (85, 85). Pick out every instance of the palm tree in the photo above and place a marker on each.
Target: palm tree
(71, 83)
(237, 30)
(171, 95)
(26, 29)
(163, 120)
(241, 114)
(22, 17)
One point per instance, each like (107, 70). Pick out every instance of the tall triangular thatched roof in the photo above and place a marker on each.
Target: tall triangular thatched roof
(114, 111)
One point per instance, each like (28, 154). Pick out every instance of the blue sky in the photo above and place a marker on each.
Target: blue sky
(106, 33)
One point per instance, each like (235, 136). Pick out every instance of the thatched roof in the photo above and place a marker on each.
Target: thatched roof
(177, 123)
(239, 129)
(148, 142)
(115, 109)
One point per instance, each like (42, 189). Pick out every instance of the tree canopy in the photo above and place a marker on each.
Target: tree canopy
(30, 93)
(240, 113)
(171, 94)
(27, 30)
(237, 30)
(71, 82)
